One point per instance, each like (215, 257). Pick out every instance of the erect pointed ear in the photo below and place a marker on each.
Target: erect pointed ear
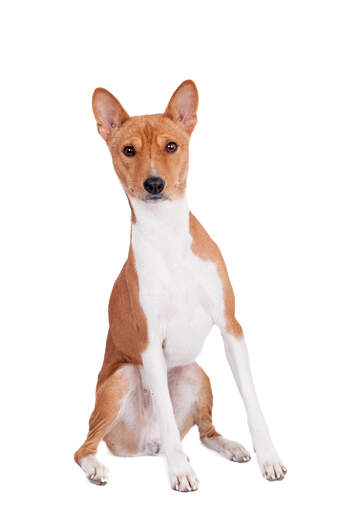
(183, 105)
(109, 113)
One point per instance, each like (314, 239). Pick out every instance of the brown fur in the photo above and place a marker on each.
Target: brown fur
(149, 135)
(108, 402)
(127, 336)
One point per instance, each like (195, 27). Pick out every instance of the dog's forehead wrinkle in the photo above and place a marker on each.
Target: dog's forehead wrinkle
(148, 130)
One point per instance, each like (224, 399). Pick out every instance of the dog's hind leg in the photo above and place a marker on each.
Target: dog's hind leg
(208, 435)
(192, 400)
(109, 397)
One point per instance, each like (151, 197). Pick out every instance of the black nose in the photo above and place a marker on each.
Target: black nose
(154, 185)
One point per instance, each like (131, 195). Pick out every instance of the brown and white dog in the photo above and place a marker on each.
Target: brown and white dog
(172, 289)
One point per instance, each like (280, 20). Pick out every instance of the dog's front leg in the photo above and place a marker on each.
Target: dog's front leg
(268, 459)
(182, 476)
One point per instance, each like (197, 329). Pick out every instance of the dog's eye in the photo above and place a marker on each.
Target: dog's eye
(171, 147)
(129, 150)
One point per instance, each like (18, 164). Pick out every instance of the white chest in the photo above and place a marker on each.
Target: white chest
(179, 292)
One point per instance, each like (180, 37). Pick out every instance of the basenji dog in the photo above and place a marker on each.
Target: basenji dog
(172, 289)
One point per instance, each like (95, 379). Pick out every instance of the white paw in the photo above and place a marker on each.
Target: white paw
(181, 474)
(270, 465)
(184, 482)
(96, 472)
(234, 451)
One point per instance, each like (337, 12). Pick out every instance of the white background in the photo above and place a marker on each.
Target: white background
(264, 181)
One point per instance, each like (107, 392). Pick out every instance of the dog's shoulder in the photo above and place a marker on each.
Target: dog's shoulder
(202, 244)
(128, 325)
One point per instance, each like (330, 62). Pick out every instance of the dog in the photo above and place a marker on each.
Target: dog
(172, 289)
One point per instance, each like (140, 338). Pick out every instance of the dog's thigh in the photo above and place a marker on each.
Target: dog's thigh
(184, 387)
(111, 396)
(134, 431)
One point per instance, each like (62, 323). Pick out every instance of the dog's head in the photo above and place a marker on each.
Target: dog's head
(150, 153)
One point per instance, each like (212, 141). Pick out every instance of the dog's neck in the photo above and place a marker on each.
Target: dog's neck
(162, 223)
(171, 215)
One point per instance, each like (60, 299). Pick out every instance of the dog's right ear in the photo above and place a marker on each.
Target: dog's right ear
(109, 113)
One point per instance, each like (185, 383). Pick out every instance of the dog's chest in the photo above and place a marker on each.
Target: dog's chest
(179, 292)
(185, 311)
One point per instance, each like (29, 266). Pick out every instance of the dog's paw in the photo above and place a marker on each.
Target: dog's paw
(234, 451)
(184, 482)
(96, 472)
(271, 466)
(228, 449)
(181, 474)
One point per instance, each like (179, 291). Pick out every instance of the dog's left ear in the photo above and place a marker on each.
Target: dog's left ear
(183, 105)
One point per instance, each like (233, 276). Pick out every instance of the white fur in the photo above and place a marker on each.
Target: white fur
(180, 294)
(268, 459)
(94, 470)
(182, 297)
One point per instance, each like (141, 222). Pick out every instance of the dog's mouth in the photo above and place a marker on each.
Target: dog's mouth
(154, 198)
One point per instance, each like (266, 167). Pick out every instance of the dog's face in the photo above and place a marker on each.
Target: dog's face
(150, 153)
